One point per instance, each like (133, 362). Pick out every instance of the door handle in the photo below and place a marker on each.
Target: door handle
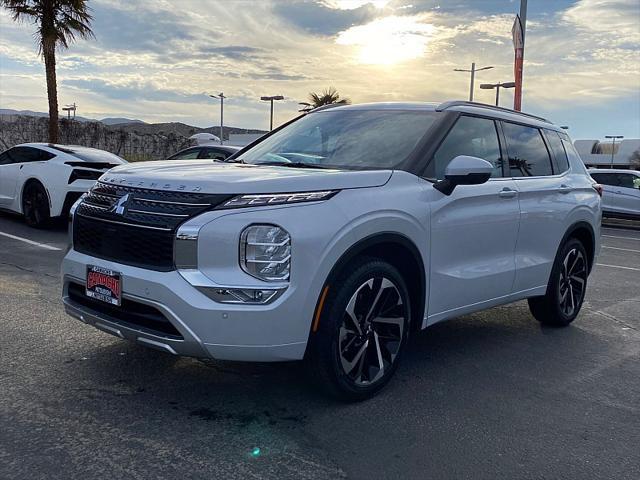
(565, 189)
(507, 193)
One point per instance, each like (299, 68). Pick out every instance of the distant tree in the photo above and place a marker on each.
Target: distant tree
(58, 23)
(329, 96)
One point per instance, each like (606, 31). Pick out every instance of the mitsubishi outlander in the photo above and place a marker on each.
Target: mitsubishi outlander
(336, 236)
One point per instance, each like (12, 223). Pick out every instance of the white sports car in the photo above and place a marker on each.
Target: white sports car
(42, 181)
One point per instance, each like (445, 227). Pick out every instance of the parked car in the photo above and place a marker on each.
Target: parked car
(621, 192)
(43, 180)
(336, 235)
(217, 152)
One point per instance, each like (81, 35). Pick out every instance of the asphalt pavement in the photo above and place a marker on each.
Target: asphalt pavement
(491, 395)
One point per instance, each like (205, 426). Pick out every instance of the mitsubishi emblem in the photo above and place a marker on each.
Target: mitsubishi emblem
(120, 207)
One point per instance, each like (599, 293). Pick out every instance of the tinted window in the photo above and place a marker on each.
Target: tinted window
(27, 154)
(472, 136)
(528, 155)
(626, 180)
(355, 139)
(213, 153)
(561, 162)
(5, 158)
(605, 178)
(188, 154)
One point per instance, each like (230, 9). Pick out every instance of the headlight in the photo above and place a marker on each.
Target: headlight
(277, 199)
(265, 252)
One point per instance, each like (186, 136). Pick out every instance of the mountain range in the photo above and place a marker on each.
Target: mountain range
(138, 126)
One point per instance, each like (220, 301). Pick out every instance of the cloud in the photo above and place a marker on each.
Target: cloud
(324, 18)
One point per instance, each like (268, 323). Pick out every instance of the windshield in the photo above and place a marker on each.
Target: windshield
(351, 139)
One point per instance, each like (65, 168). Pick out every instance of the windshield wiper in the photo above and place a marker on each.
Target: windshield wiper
(292, 164)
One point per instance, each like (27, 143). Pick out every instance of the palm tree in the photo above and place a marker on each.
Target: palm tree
(58, 23)
(329, 96)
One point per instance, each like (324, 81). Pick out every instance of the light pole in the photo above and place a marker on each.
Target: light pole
(473, 76)
(497, 86)
(613, 145)
(221, 97)
(271, 99)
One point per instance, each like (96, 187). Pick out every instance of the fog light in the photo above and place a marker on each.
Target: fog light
(241, 295)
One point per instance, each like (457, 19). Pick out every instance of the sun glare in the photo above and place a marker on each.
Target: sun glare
(388, 40)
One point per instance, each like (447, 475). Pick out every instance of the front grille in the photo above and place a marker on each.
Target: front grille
(131, 314)
(137, 230)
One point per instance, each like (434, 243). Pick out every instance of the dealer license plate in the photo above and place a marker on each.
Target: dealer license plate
(104, 285)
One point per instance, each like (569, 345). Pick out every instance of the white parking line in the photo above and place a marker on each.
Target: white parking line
(30, 242)
(624, 238)
(618, 266)
(623, 249)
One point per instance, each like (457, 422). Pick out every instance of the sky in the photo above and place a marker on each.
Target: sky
(158, 61)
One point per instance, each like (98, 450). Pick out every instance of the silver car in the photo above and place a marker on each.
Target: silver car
(621, 192)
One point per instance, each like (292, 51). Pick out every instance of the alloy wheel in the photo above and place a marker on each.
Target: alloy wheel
(573, 279)
(34, 207)
(372, 331)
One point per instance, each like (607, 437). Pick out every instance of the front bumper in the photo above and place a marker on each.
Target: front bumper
(206, 328)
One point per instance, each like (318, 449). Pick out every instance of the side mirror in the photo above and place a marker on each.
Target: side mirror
(464, 170)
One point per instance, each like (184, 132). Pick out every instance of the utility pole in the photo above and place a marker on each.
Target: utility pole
(473, 76)
(613, 145)
(221, 97)
(271, 99)
(518, 32)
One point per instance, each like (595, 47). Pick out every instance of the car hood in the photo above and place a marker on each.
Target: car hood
(234, 178)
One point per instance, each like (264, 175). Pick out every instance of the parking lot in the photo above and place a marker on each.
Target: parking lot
(489, 395)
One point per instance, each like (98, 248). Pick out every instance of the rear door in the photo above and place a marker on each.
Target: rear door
(546, 199)
(628, 192)
(473, 230)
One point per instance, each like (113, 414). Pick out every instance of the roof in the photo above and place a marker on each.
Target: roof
(452, 106)
(612, 170)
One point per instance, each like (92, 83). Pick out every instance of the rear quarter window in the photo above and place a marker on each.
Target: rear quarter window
(559, 155)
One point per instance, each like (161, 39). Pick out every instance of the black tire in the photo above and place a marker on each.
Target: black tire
(567, 286)
(354, 360)
(35, 205)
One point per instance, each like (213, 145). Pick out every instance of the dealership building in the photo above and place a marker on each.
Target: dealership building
(599, 154)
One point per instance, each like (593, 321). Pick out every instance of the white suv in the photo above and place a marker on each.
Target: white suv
(336, 235)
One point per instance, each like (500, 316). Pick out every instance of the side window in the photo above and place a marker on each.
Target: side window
(44, 155)
(26, 154)
(472, 136)
(603, 178)
(572, 154)
(626, 180)
(187, 155)
(528, 155)
(5, 158)
(560, 160)
(213, 153)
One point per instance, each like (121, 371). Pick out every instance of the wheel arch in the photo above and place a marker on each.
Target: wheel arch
(30, 181)
(401, 252)
(584, 232)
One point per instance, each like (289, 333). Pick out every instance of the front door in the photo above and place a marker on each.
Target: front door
(473, 230)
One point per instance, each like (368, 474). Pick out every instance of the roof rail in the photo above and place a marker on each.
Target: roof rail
(456, 103)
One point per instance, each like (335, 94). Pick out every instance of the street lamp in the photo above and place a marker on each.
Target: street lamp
(497, 86)
(70, 108)
(473, 76)
(271, 99)
(221, 97)
(613, 145)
